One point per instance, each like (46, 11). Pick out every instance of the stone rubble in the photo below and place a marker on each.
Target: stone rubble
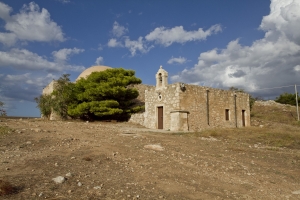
(59, 179)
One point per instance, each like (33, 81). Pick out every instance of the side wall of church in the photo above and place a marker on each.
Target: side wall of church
(207, 107)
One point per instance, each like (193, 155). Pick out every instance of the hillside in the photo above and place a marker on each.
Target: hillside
(272, 125)
(103, 160)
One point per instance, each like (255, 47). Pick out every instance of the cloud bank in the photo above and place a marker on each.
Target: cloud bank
(268, 62)
(167, 37)
(179, 60)
(161, 35)
(30, 24)
(63, 54)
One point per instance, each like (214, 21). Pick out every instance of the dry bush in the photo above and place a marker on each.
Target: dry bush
(4, 130)
(275, 113)
(280, 128)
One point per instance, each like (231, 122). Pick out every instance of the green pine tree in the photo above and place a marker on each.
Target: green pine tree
(105, 95)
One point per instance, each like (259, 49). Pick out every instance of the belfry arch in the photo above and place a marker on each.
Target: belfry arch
(161, 78)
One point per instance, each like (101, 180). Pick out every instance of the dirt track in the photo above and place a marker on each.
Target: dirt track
(112, 161)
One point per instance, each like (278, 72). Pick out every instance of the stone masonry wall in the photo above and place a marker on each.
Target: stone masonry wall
(49, 88)
(194, 100)
(168, 98)
(141, 88)
(138, 118)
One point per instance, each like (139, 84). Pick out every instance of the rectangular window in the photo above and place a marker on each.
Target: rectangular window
(243, 118)
(227, 114)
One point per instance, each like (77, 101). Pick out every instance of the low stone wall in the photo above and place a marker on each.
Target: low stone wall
(137, 118)
(270, 103)
(142, 88)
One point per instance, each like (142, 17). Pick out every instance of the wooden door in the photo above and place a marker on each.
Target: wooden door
(243, 117)
(160, 117)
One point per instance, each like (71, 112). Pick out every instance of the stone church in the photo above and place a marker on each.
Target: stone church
(183, 107)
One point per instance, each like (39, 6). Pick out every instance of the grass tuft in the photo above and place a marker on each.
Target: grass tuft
(5, 130)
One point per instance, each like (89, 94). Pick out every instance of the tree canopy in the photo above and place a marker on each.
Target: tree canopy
(105, 95)
(102, 95)
(287, 98)
(58, 100)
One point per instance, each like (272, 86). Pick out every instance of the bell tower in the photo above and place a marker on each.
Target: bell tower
(161, 78)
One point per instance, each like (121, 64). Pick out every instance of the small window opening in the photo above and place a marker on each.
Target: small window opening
(227, 114)
(160, 78)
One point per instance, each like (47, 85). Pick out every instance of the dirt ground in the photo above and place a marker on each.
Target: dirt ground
(106, 160)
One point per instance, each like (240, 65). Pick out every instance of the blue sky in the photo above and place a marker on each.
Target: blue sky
(246, 44)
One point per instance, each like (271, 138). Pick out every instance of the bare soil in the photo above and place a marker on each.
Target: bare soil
(108, 160)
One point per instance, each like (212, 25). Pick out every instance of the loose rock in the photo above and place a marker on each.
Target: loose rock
(59, 179)
(296, 192)
(156, 147)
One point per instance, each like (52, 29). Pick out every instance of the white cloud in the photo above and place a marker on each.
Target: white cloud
(118, 30)
(136, 45)
(25, 87)
(24, 59)
(297, 68)
(65, 1)
(63, 54)
(132, 45)
(160, 35)
(8, 39)
(114, 43)
(268, 62)
(30, 24)
(100, 47)
(179, 60)
(177, 34)
(5, 11)
(283, 20)
(99, 60)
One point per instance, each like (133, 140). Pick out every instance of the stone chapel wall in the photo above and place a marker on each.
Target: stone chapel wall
(194, 99)
(138, 118)
(167, 97)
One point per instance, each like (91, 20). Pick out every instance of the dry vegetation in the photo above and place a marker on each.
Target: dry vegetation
(273, 125)
(124, 161)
